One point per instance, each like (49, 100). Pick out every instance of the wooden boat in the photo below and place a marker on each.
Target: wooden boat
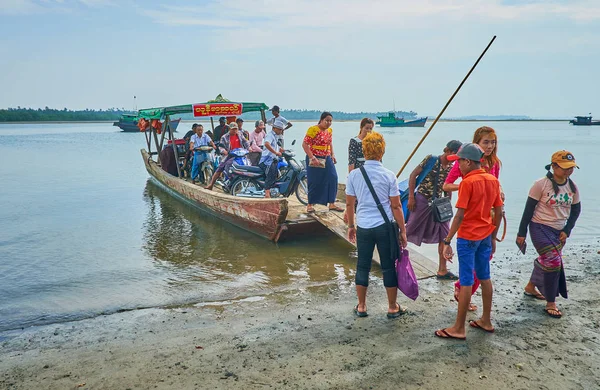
(584, 121)
(128, 123)
(391, 121)
(274, 219)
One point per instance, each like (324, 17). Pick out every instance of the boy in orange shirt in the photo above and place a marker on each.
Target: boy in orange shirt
(478, 193)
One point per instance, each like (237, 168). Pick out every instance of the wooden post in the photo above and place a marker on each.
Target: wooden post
(162, 136)
(263, 116)
(212, 124)
(155, 143)
(148, 142)
(444, 109)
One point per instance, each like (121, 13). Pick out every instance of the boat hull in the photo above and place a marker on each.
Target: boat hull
(264, 217)
(131, 127)
(415, 123)
(593, 123)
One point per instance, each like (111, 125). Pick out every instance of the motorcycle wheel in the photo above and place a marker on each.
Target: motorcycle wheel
(208, 174)
(240, 185)
(302, 191)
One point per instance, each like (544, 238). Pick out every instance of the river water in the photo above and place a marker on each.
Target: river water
(84, 231)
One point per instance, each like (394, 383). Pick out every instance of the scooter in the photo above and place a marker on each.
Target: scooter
(239, 156)
(207, 167)
(249, 181)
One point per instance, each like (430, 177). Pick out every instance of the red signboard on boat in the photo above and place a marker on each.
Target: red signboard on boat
(217, 109)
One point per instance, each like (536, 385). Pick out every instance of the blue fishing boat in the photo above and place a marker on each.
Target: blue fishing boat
(584, 121)
(128, 123)
(391, 121)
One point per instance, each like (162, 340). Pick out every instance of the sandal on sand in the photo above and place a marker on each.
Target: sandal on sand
(398, 313)
(443, 334)
(336, 208)
(475, 324)
(310, 209)
(536, 295)
(447, 276)
(360, 313)
(554, 313)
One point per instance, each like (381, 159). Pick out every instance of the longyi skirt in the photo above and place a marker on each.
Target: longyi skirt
(322, 183)
(421, 228)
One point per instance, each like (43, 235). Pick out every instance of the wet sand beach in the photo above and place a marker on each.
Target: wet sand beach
(309, 339)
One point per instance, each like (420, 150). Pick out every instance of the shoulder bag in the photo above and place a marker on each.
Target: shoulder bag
(440, 207)
(407, 281)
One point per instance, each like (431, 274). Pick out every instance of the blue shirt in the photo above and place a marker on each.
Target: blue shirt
(385, 185)
(204, 140)
(274, 141)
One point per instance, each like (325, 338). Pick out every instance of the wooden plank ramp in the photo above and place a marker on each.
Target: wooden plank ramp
(423, 266)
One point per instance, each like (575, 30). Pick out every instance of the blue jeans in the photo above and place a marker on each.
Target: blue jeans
(473, 256)
(199, 158)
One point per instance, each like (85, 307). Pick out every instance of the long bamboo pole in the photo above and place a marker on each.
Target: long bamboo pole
(446, 106)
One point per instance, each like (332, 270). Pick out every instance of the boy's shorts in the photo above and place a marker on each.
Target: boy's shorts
(473, 256)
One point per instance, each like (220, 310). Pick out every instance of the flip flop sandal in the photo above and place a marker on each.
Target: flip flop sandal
(337, 208)
(474, 324)
(447, 276)
(360, 313)
(398, 313)
(553, 315)
(310, 210)
(443, 334)
(539, 296)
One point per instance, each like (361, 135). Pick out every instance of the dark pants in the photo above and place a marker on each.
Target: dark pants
(270, 173)
(226, 164)
(366, 239)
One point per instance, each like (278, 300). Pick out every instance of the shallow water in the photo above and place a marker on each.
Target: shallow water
(84, 231)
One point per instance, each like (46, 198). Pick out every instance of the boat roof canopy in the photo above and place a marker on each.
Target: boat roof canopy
(217, 107)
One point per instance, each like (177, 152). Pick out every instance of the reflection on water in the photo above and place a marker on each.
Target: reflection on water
(216, 260)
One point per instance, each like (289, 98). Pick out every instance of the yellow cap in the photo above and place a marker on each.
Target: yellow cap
(564, 159)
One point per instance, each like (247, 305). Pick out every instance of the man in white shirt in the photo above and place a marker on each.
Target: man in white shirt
(275, 111)
(199, 139)
(269, 158)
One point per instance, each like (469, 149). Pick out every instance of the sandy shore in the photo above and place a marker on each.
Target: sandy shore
(309, 339)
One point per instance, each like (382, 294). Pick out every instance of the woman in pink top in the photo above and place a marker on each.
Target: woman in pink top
(486, 138)
(257, 138)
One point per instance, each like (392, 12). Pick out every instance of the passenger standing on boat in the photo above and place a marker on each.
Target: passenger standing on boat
(477, 194)
(188, 152)
(421, 226)
(320, 169)
(220, 130)
(356, 159)
(257, 138)
(487, 140)
(199, 139)
(240, 123)
(230, 141)
(551, 211)
(275, 111)
(270, 155)
(373, 229)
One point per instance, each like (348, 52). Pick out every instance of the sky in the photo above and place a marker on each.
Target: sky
(336, 55)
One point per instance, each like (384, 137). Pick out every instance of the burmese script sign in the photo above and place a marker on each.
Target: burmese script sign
(217, 109)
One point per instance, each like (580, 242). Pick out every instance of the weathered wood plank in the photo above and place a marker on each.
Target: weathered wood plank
(423, 266)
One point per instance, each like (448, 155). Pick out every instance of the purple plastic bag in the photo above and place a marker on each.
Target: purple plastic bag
(407, 281)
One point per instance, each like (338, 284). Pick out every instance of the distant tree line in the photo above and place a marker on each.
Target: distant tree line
(46, 114)
(315, 114)
(20, 114)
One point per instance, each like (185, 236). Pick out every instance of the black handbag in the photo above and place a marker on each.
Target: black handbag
(441, 208)
(393, 228)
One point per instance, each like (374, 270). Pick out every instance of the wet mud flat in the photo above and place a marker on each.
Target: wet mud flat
(309, 339)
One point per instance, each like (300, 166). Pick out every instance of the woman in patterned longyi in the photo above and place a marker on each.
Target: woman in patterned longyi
(320, 169)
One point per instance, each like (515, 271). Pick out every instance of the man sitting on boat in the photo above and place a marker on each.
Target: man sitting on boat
(230, 141)
(270, 154)
(199, 139)
(220, 130)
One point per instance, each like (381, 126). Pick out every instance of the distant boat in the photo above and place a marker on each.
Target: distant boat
(128, 123)
(584, 121)
(392, 121)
